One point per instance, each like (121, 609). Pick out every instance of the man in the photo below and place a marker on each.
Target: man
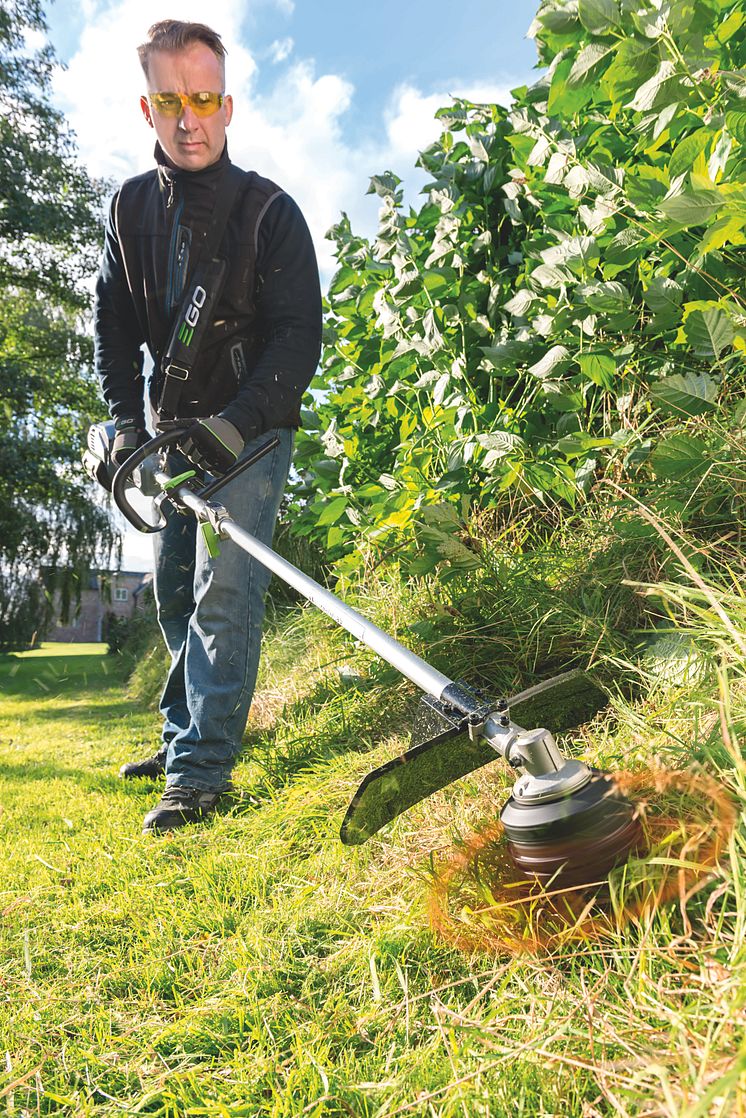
(256, 357)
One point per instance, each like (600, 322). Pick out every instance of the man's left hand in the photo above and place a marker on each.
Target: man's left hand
(213, 443)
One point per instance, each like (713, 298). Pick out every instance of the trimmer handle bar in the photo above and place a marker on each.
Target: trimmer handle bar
(166, 439)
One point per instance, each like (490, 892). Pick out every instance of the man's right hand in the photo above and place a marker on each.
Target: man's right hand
(130, 435)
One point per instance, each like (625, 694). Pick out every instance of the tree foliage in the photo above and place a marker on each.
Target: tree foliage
(49, 233)
(571, 286)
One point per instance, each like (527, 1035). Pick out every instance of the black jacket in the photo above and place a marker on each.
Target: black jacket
(269, 313)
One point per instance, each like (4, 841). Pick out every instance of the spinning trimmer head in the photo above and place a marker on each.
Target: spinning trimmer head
(575, 840)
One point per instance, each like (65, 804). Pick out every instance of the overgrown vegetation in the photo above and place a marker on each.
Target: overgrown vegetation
(567, 304)
(256, 967)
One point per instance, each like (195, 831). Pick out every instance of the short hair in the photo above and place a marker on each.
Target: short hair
(175, 35)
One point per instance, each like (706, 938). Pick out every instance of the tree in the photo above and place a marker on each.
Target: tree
(50, 229)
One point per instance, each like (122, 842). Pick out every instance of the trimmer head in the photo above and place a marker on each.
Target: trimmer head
(573, 841)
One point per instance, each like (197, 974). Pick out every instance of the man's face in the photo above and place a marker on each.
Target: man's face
(191, 142)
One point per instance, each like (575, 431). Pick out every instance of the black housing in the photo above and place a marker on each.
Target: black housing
(575, 840)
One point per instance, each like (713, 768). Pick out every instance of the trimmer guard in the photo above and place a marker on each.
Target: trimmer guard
(448, 753)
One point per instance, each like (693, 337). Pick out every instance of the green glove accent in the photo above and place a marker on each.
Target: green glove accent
(213, 443)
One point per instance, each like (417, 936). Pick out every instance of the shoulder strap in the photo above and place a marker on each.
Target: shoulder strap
(200, 298)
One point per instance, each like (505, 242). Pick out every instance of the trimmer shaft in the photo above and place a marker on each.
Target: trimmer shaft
(575, 840)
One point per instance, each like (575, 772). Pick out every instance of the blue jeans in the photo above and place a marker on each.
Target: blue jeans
(210, 612)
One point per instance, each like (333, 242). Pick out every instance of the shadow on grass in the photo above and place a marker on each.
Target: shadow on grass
(41, 675)
(90, 780)
(329, 722)
(84, 711)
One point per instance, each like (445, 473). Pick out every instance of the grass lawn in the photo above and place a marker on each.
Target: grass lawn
(254, 966)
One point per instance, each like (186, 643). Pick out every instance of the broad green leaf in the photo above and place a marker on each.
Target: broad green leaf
(556, 167)
(599, 16)
(732, 23)
(599, 368)
(652, 20)
(441, 387)
(687, 151)
(552, 363)
(498, 444)
(726, 230)
(332, 511)
(520, 303)
(577, 252)
(384, 185)
(658, 90)
(438, 280)
(604, 178)
(548, 276)
(679, 456)
(588, 63)
(626, 246)
(572, 446)
(694, 207)
(505, 356)
(632, 66)
(327, 468)
(605, 297)
(736, 124)
(709, 330)
(576, 181)
(720, 155)
(565, 99)
(686, 394)
(664, 296)
(559, 18)
(341, 279)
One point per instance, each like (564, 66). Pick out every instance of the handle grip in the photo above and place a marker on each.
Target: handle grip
(172, 435)
(126, 470)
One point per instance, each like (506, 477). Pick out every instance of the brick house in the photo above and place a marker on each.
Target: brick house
(120, 593)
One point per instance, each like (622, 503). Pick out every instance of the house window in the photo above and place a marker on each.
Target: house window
(121, 594)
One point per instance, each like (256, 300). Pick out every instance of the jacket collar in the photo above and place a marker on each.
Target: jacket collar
(168, 174)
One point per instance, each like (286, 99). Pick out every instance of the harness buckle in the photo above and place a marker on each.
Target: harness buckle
(176, 372)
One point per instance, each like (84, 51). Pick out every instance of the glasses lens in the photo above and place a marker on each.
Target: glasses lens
(167, 104)
(205, 104)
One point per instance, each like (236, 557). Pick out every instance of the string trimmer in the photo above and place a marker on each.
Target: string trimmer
(565, 823)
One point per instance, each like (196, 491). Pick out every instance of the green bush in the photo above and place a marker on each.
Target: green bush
(564, 304)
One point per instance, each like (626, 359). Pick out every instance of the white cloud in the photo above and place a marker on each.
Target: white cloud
(280, 49)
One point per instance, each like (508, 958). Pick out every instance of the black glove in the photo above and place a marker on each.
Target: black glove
(212, 443)
(130, 435)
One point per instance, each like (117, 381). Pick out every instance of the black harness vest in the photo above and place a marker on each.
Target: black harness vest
(161, 217)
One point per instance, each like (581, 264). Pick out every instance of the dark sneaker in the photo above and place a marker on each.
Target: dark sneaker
(179, 806)
(151, 767)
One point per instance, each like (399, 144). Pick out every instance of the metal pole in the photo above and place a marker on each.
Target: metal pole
(413, 667)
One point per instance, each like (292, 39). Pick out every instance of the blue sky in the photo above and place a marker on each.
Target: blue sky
(326, 93)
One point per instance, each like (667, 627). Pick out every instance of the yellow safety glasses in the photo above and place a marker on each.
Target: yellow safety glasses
(173, 104)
